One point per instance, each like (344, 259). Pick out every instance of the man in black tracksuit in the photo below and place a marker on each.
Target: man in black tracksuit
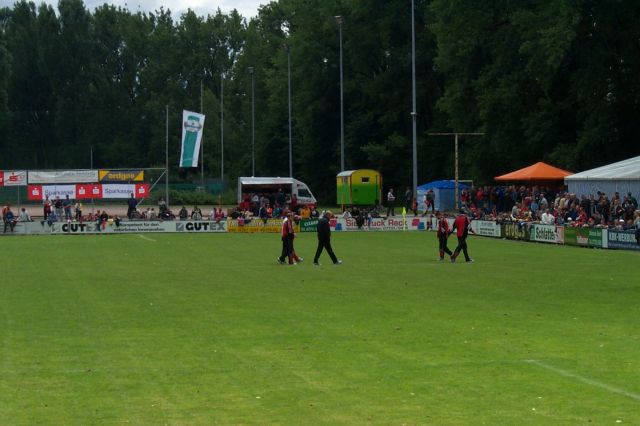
(324, 239)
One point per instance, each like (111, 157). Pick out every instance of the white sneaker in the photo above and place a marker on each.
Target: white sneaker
(338, 262)
(300, 259)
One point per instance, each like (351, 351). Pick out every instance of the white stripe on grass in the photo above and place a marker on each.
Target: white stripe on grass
(583, 379)
(144, 237)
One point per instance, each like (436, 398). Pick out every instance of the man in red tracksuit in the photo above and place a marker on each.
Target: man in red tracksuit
(462, 226)
(443, 235)
(287, 240)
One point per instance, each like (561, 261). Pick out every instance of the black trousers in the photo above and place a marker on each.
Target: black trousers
(442, 240)
(286, 248)
(462, 245)
(325, 243)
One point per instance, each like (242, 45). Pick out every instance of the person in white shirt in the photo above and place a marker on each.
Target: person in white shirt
(391, 198)
(24, 216)
(547, 218)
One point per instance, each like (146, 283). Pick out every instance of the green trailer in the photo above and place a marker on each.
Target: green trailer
(358, 187)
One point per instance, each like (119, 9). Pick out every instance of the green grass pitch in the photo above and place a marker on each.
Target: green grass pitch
(208, 329)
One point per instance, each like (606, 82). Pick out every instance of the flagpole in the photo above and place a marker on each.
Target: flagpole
(166, 156)
(222, 129)
(201, 141)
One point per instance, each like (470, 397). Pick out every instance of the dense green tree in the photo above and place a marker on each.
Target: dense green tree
(543, 80)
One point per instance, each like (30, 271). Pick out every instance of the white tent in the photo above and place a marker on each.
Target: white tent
(622, 177)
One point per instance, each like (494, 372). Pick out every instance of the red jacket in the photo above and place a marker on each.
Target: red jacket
(461, 225)
(443, 227)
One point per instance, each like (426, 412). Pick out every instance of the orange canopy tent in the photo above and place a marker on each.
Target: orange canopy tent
(537, 172)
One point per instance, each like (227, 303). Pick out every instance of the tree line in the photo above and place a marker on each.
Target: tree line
(547, 80)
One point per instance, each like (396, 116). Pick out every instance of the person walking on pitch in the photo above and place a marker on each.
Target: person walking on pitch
(324, 239)
(443, 235)
(462, 227)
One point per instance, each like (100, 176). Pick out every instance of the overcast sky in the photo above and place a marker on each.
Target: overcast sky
(247, 8)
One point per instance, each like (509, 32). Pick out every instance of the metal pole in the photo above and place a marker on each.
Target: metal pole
(202, 141)
(253, 125)
(222, 129)
(339, 21)
(166, 156)
(456, 191)
(413, 97)
(456, 134)
(290, 139)
(91, 159)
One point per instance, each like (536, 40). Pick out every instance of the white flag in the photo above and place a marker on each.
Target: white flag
(192, 125)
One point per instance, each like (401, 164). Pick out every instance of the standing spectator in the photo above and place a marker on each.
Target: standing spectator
(391, 199)
(46, 207)
(162, 206)
(547, 218)
(324, 238)
(66, 205)
(132, 203)
(633, 201)
(408, 199)
(443, 235)
(636, 224)
(58, 206)
(462, 227)
(78, 211)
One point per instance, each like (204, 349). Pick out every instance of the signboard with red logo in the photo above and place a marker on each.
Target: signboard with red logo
(88, 190)
(13, 178)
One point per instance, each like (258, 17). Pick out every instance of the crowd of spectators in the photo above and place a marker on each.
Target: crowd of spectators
(551, 206)
(265, 206)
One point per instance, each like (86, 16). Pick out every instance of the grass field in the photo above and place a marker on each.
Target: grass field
(208, 329)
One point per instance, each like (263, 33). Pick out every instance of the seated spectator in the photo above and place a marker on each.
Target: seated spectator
(9, 219)
(24, 216)
(219, 215)
(196, 214)
(183, 214)
(104, 218)
(52, 217)
(152, 215)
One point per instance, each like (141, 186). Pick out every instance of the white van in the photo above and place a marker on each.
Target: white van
(271, 185)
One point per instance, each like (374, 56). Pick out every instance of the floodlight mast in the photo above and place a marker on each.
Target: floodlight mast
(456, 134)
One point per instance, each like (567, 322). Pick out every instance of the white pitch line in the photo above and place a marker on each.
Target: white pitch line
(582, 379)
(144, 237)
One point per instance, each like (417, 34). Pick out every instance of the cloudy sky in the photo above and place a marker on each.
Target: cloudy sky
(247, 8)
